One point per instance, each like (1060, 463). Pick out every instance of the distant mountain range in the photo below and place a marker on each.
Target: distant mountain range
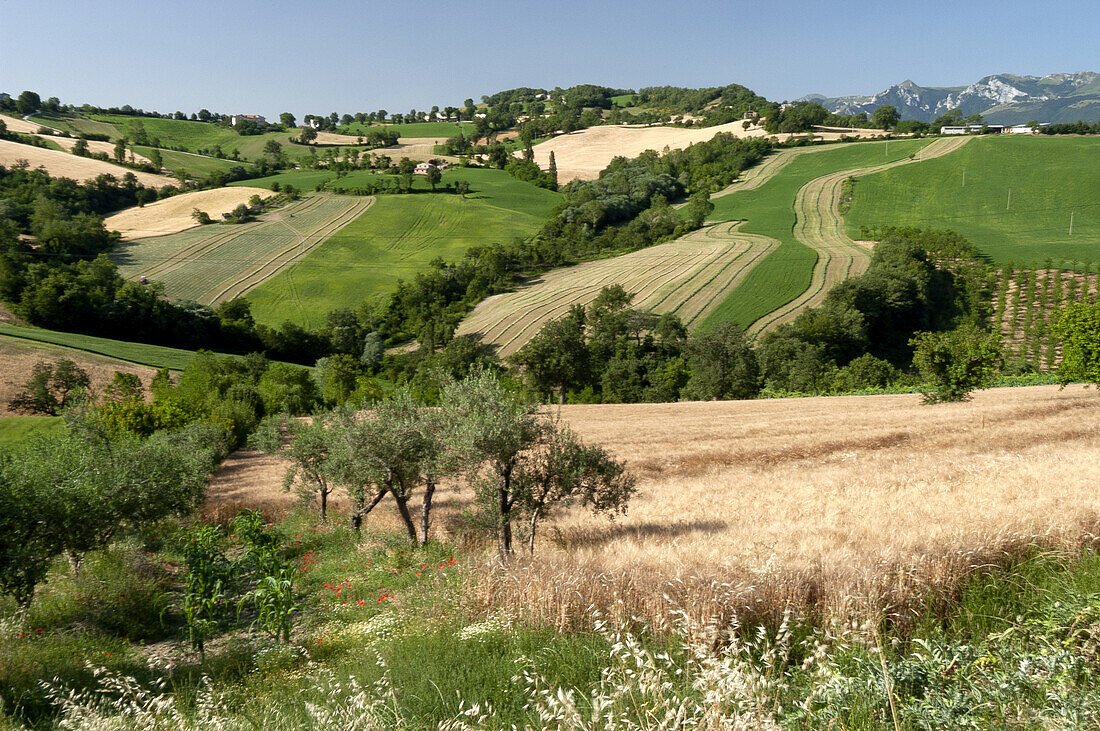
(1000, 99)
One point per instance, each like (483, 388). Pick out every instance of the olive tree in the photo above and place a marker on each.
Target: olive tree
(73, 493)
(395, 449)
(520, 462)
(307, 445)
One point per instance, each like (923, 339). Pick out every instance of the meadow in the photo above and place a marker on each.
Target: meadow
(1001, 193)
(414, 129)
(218, 262)
(768, 210)
(17, 429)
(154, 356)
(397, 238)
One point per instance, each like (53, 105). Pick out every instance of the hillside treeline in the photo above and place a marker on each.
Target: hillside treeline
(918, 281)
(714, 105)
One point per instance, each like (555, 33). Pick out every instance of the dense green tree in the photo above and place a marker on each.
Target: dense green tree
(1077, 327)
(955, 362)
(286, 119)
(28, 102)
(557, 357)
(723, 365)
(885, 117)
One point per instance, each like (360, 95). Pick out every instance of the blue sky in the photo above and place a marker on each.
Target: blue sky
(267, 57)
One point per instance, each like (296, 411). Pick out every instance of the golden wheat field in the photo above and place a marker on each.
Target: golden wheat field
(172, 215)
(839, 504)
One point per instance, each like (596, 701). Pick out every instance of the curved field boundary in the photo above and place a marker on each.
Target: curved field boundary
(689, 277)
(212, 266)
(757, 175)
(819, 225)
(202, 243)
(306, 242)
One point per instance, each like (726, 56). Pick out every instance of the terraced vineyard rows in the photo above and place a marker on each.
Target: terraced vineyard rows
(819, 226)
(688, 277)
(216, 263)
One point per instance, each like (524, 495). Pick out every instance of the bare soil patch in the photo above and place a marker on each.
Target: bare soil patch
(18, 358)
(172, 215)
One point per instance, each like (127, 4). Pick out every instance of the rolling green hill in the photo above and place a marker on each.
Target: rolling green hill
(768, 210)
(414, 129)
(155, 356)
(1050, 178)
(397, 237)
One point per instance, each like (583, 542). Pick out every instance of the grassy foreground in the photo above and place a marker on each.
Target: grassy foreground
(384, 639)
(1014, 200)
(769, 210)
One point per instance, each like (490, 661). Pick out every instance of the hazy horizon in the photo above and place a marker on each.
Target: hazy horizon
(280, 56)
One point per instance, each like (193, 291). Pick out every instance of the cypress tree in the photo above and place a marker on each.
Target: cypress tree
(553, 168)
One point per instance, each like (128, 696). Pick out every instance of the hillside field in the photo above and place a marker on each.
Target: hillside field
(414, 129)
(154, 356)
(768, 210)
(837, 504)
(687, 277)
(398, 237)
(18, 429)
(174, 214)
(63, 164)
(217, 262)
(20, 355)
(1050, 178)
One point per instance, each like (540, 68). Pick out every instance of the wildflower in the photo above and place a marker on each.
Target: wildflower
(418, 573)
(38, 631)
(360, 602)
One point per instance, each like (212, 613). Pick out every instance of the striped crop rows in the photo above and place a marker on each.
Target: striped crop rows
(819, 225)
(688, 276)
(216, 263)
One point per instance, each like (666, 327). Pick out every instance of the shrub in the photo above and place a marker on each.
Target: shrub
(956, 362)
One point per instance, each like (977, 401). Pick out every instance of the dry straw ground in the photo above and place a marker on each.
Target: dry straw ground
(583, 154)
(173, 215)
(841, 504)
(64, 164)
(20, 356)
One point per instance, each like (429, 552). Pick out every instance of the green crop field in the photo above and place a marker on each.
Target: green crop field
(74, 124)
(1051, 180)
(304, 180)
(769, 211)
(16, 429)
(213, 263)
(413, 129)
(397, 238)
(192, 164)
(156, 356)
